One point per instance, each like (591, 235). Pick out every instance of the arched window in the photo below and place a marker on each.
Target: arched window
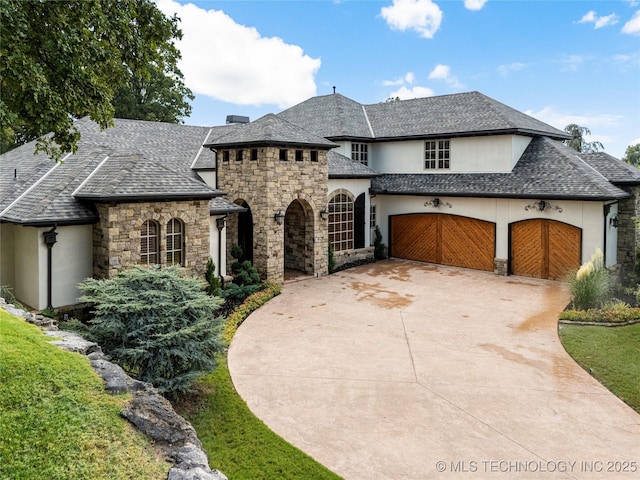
(341, 222)
(149, 244)
(175, 242)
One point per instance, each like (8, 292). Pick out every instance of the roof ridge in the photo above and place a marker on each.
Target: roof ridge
(93, 172)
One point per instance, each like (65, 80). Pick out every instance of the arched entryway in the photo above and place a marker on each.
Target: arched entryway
(298, 239)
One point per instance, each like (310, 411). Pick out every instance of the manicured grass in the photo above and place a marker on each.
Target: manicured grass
(238, 443)
(56, 421)
(612, 355)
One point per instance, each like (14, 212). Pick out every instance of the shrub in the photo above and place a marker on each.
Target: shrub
(614, 311)
(255, 301)
(590, 285)
(157, 324)
(378, 246)
(213, 280)
(331, 259)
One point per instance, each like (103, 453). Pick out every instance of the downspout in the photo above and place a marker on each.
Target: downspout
(50, 240)
(220, 223)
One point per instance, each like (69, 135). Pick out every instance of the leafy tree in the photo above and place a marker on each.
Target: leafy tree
(62, 60)
(632, 155)
(157, 324)
(577, 141)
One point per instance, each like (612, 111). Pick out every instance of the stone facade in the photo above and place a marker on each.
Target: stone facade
(297, 188)
(116, 236)
(501, 266)
(628, 234)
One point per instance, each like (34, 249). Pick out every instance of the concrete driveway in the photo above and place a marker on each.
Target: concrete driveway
(399, 370)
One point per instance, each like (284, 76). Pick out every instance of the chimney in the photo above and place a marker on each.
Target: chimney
(236, 119)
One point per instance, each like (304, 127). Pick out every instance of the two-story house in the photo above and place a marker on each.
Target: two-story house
(457, 180)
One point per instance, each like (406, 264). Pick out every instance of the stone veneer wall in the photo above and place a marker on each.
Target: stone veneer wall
(628, 234)
(269, 185)
(116, 236)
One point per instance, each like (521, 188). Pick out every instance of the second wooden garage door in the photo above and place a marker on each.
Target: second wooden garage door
(444, 239)
(543, 248)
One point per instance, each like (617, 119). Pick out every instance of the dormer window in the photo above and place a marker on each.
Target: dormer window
(437, 155)
(360, 153)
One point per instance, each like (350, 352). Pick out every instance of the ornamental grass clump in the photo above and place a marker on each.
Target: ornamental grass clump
(591, 284)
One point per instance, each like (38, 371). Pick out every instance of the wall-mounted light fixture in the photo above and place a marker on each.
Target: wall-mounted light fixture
(542, 206)
(613, 221)
(278, 217)
(437, 203)
(324, 214)
(220, 222)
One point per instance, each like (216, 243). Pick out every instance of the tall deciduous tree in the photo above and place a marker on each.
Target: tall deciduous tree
(62, 60)
(578, 142)
(632, 155)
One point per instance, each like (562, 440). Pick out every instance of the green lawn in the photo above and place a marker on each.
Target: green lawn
(238, 443)
(56, 421)
(612, 355)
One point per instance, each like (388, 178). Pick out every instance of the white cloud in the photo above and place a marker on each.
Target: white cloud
(234, 63)
(423, 16)
(409, 77)
(405, 93)
(474, 4)
(560, 120)
(598, 22)
(443, 72)
(632, 27)
(506, 69)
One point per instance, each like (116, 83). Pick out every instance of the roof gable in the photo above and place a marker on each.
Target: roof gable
(463, 114)
(270, 130)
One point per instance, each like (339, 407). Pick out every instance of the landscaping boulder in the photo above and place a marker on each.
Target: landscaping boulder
(73, 342)
(191, 463)
(153, 415)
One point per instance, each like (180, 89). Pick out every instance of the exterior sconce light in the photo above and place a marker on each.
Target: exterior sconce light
(278, 217)
(437, 203)
(613, 221)
(324, 214)
(220, 222)
(542, 206)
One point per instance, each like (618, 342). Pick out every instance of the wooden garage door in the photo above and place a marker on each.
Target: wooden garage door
(445, 239)
(545, 249)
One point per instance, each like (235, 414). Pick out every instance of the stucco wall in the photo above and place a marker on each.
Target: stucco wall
(7, 253)
(497, 153)
(218, 243)
(588, 216)
(71, 263)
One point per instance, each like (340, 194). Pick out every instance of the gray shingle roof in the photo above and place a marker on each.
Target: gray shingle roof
(125, 177)
(330, 116)
(343, 167)
(221, 205)
(42, 191)
(270, 130)
(614, 170)
(335, 116)
(547, 169)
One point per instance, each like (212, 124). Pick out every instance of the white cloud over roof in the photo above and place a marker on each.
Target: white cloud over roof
(422, 16)
(227, 61)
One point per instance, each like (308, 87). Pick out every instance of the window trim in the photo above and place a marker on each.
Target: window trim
(146, 256)
(171, 236)
(360, 152)
(437, 154)
(341, 207)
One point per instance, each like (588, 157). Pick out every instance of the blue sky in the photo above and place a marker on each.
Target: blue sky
(560, 61)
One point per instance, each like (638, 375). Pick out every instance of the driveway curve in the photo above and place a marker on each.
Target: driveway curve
(400, 370)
